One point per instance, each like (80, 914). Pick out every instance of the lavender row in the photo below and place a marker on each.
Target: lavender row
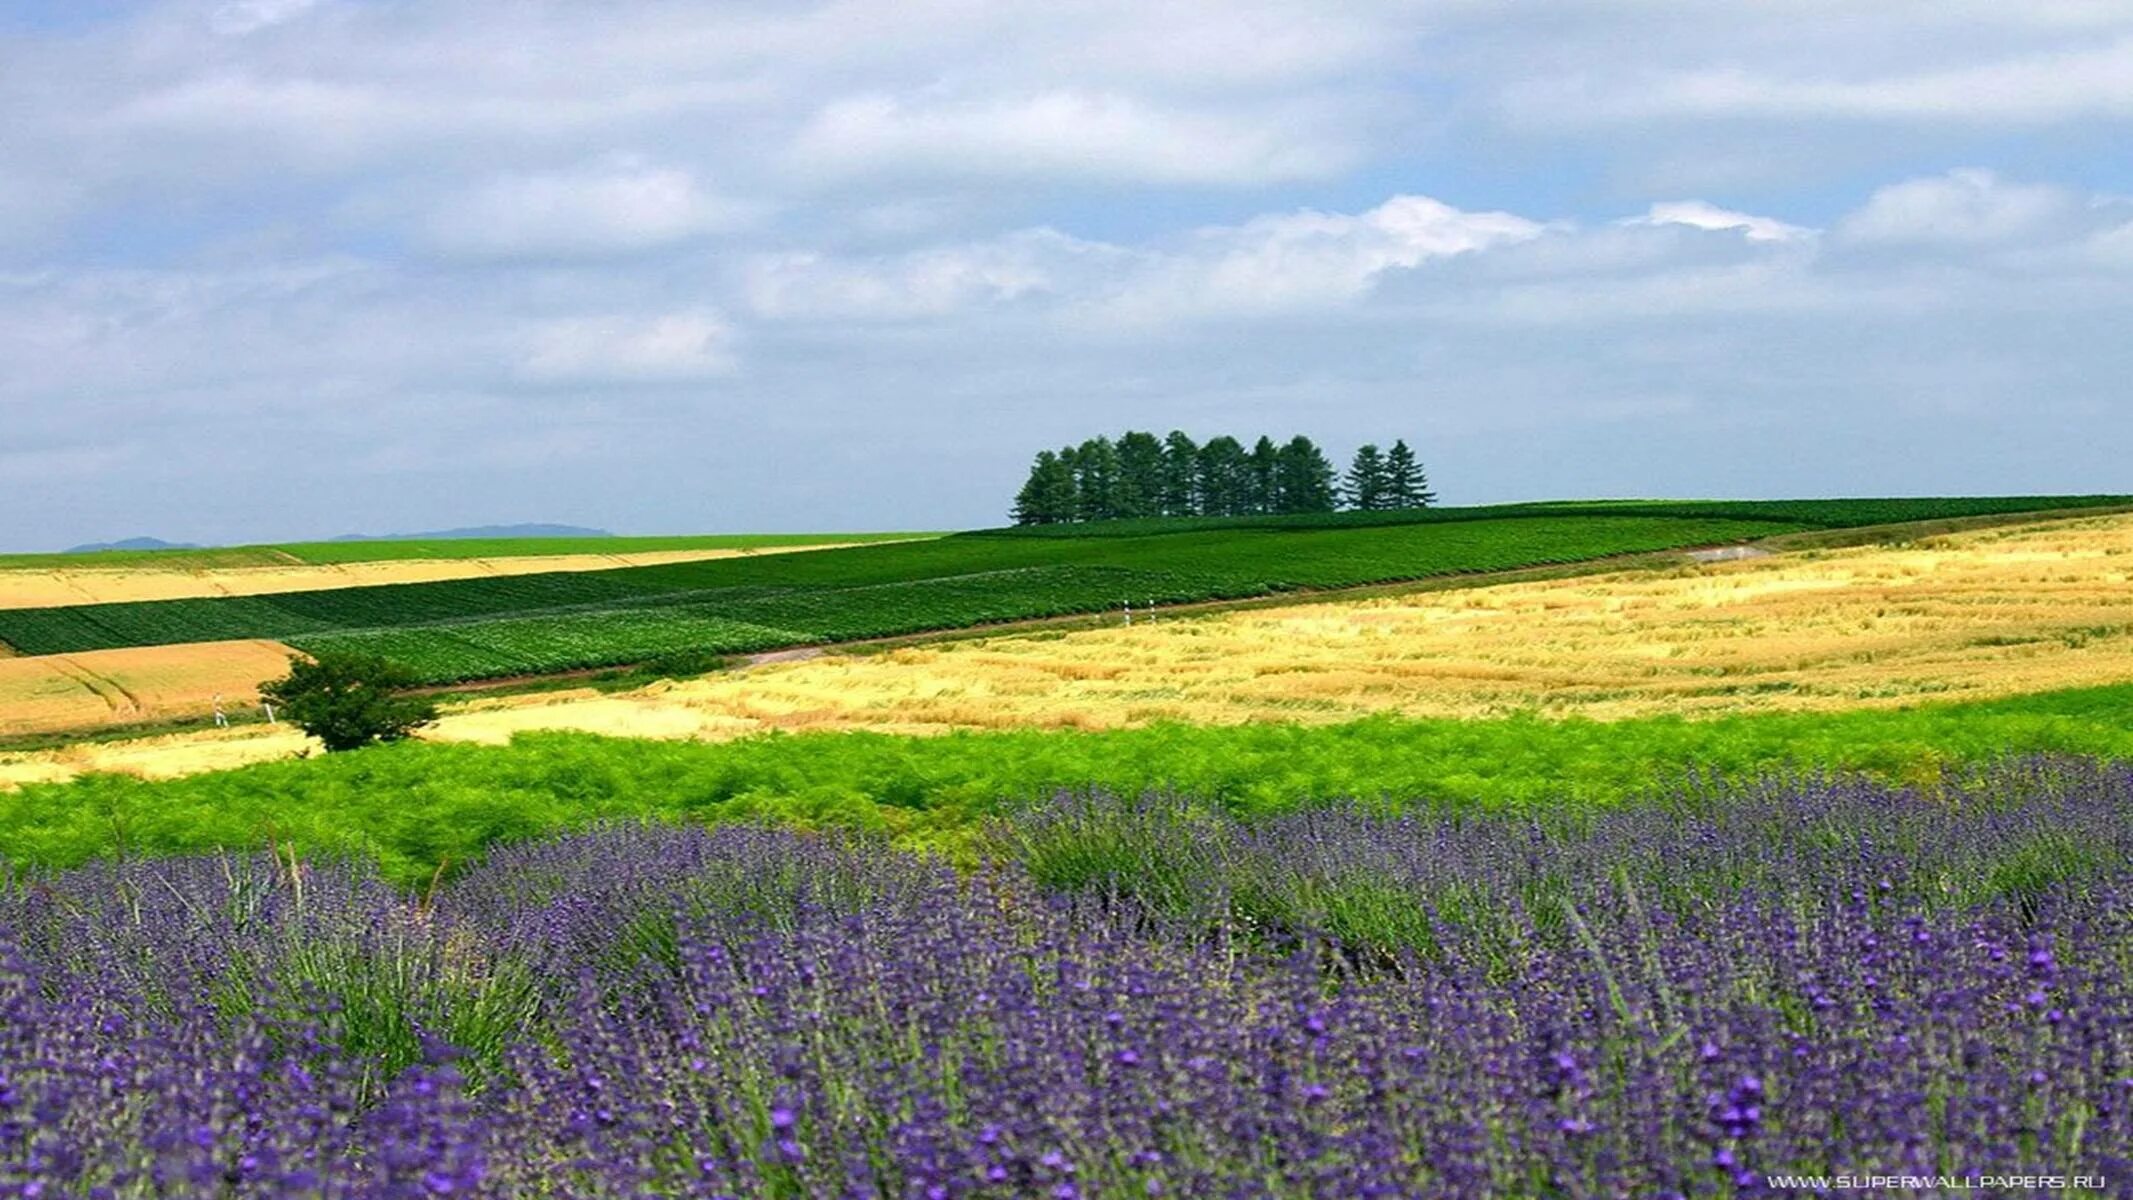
(1813, 978)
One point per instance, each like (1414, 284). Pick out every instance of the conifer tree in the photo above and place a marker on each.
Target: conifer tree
(1304, 478)
(1224, 478)
(1096, 480)
(1026, 510)
(1140, 475)
(1365, 487)
(1263, 488)
(1048, 498)
(1181, 475)
(1406, 484)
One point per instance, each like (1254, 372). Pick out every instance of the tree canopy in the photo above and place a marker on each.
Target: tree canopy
(1141, 475)
(349, 700)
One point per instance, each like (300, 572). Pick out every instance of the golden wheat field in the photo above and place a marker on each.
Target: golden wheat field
(124, 687)
(36, 588)
(1970, 615)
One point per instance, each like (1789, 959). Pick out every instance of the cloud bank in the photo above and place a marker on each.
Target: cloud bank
(275, 268)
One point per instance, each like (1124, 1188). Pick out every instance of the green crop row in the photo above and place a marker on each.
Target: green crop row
(1218, 565)
(417, 805)
(944, 583)
(536, 645)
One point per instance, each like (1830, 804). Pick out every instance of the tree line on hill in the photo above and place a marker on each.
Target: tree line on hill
(1141, 475)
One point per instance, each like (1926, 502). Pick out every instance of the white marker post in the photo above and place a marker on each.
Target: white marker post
(1129, 612)
(268, 708)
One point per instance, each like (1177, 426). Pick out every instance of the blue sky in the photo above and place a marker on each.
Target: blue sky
(286, 268)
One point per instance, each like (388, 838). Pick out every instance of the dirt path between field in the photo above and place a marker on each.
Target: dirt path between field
(796, 654)
(1719, 554)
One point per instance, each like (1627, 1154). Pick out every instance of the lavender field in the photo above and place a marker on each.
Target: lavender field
(1139, 998)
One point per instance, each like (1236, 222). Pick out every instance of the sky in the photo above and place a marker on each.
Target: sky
(275, 269)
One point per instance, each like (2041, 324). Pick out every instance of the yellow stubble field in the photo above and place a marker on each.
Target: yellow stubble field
(37, 588)
(131, 686)
(1971, 615)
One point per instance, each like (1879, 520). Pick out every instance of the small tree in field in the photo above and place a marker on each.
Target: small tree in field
(350, 700)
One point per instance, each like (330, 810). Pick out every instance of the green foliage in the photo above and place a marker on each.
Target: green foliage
(417, 805)
(348, 700)
(1049, 497)
(1406, 486)
(1367, 487)
(1303, 479)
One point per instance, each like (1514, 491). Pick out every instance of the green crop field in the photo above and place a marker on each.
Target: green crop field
(832, 595)
(282, 554)
(468, 629)
(1813, 514)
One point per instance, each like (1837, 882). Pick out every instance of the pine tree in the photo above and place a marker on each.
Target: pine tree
(1058, 496)
(1304, 479)
(1049, 496)
(1028, 509)
(1406, 484)
(1224, 478)
(1096, 480)
(1263, 487)
(1365, 487)
(1181, 475)
(1140, 475)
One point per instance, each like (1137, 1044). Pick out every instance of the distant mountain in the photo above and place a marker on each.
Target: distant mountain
(138, 543)
(480, 531)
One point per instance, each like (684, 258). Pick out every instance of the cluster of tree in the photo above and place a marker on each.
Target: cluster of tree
(1141, 475)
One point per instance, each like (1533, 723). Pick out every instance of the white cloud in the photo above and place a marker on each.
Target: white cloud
(616, 208)
(925, 283)
(1064, 133)
(1968, 206)
(2113, 246)
(1999, 84)
(1272, 264)
(265, 233)
(1308, 259)
(1698, 214)
(609, 349)
(239, 17)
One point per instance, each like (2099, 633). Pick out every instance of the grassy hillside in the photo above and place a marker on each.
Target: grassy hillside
(417, 805)
(470, 628)
(282, 554)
